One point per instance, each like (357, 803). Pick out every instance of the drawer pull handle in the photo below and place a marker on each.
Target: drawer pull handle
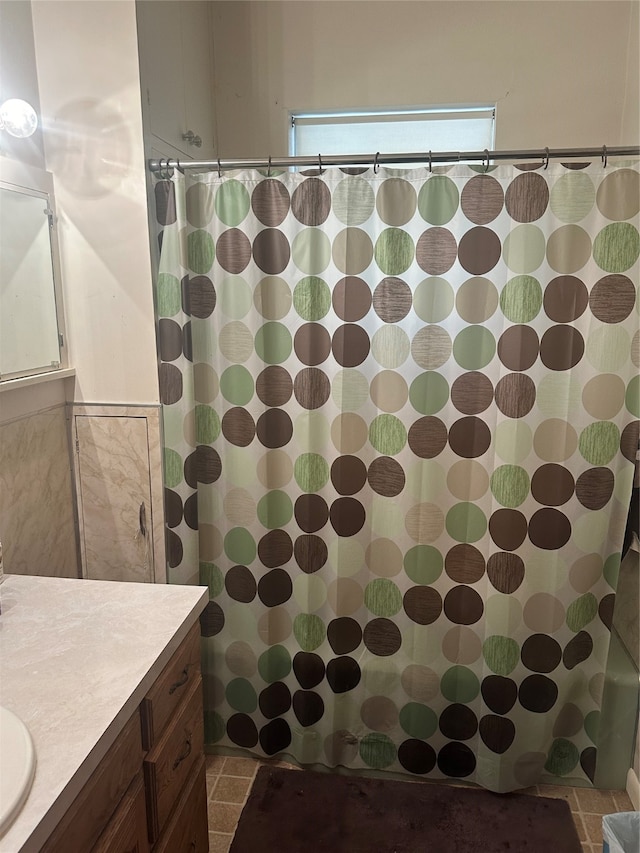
(181, 681)
(184, 754)
(193, 845)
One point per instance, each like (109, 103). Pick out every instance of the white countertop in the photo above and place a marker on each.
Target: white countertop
(76, 659)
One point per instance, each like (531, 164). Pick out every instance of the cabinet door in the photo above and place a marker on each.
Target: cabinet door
(198, 74)
(114, 498)
(160, 46)
(176, 69)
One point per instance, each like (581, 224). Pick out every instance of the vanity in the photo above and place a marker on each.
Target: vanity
(106, 677)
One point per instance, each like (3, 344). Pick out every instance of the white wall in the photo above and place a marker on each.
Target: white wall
(563, 74)
(19, 78)
(87, 61)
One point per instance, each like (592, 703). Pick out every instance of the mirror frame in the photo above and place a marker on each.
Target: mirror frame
(24, 178)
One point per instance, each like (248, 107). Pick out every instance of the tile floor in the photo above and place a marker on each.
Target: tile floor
(229, 782)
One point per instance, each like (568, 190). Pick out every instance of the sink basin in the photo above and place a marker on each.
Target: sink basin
(17, 766)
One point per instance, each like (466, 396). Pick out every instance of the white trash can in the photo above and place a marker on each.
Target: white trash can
(621, 832)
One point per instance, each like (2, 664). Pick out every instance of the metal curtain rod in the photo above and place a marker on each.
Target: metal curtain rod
(426, 157)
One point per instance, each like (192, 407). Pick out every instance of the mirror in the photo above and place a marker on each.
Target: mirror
(31, 334)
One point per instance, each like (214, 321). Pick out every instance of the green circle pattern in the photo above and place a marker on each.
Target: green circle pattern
(599, 442)
(510, 485)
(521, 299)
(394, 251)
(429, 393)
(423, 564)
(236, 384)
(382, 597)
(438, 200)
(311, 471)
(309, 631)
(460, 684)
(387, 434)
(312, 298)
(501, 654)
(377, 751)
(418, 720)
(275, 509)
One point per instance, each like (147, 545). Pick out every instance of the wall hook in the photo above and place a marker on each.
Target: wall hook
(486, 155)
(320, 169)
(376, 165)
(546, 158)
(604, 156)
(219, 169)
(430, 163)
(269, 167)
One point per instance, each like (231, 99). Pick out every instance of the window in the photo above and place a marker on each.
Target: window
(391, 131)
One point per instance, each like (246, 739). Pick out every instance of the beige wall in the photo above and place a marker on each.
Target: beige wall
(19, 78)
(563, 74)
(87, 61)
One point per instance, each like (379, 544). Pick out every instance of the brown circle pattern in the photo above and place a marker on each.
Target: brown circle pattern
(348, 475)
(472, 393)
(561, 347)
(351, 298)
(311, 512)
(422, 604)
(518, 347)
(612, 298)
(505, 571)
(595, 487)
(469, 437)
(527, 197)
(482, 199)
(392, 300)
(428, 437)
(552, 485)
(508, 528)
(312, 343)
(233, 251)
(271, 251)
(565, 299)
(311, 202)
(350, 345)
(270, 203)
(386, 477)
(311, 388)
(274, 386)
(464, 564)
(515, 395)
(436, 251)
(479, 250)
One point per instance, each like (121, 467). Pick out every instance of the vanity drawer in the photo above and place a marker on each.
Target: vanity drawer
(90, 812)
(172, 685)
(171, 761)
(126, 832)
(188, 829)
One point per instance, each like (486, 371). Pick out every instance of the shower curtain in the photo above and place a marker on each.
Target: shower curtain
(401, 417)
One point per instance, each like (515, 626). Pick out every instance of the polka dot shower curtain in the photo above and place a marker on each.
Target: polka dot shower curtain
(401, 413)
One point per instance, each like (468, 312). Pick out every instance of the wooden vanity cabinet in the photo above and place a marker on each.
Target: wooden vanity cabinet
(149, 795)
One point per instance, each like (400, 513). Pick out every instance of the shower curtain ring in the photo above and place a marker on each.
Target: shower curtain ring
(486, 155)
(604, 156)
(376, 165)
(269, 167)
(219, 169)
(320, 169)
(430, 162)
(546, 158)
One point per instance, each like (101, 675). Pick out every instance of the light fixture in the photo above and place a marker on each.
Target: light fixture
(18, 118)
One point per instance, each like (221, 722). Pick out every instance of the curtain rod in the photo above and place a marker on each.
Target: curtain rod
(426, 157)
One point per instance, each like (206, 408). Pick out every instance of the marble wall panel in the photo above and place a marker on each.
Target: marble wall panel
(37, 521)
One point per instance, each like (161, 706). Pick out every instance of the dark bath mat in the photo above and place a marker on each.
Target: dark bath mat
(299, 811)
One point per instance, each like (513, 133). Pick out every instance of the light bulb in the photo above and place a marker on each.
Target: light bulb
(18, 118)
